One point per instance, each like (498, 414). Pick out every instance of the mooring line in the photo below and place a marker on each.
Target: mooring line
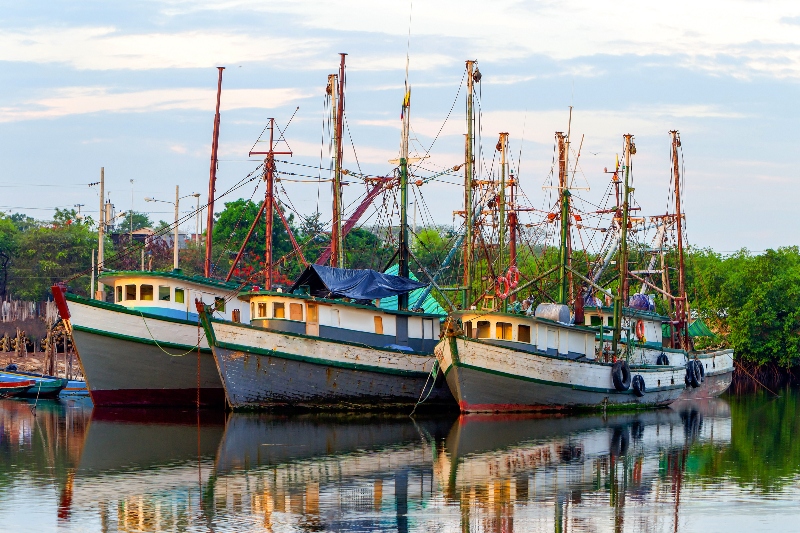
(162, 349)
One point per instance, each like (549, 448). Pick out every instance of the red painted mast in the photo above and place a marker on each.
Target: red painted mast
(682, 303)
(212, 181)
(268, 207)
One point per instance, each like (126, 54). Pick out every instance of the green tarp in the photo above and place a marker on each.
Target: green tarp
(697, 328)
(430, 305)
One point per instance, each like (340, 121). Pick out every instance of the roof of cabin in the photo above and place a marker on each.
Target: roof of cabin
(173, 275)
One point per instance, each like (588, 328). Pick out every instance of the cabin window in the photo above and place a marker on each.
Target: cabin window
(484, 331)
(503, 331)
(146, 293)
(611, 321)
(524, 333)
(130, 292)
(119, 293)
(296, 312)
(597, 320)
(179, 296)
(278, 310)
(163, 293)
(262, 310)
(378, 325)
(252, 310)
(219, 304)
(236, 315)
(312, 313)
(468, 329)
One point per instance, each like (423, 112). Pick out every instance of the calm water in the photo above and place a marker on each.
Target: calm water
(727, 465)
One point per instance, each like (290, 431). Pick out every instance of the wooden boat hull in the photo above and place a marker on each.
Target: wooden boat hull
(264, 369)
(490, 378)
(11, 389)
(130, 359)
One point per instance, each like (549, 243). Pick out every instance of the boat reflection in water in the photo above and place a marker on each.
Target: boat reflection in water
(161, 470)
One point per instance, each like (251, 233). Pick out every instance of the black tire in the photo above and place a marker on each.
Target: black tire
(621, 376)
(693, 373)
(638, 385)
(662, 359)
(702, 370)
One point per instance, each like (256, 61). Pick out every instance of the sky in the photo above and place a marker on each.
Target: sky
(131, 87)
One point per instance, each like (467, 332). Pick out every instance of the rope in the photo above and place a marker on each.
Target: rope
(434, 370)
(162, 349)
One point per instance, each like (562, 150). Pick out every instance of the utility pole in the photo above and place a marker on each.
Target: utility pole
(101, 229)
(268, 207)
(212, 181)
(622, 291)
(682, 302)
(336, 88)
(175, 238)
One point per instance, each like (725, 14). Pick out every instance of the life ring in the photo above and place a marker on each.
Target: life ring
(513, 277)
(694, 373)
(638, 385)
(621, 375)
(640, 329)
(499, 291)
(662, 359)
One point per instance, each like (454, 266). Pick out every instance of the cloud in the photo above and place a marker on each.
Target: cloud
(83, 100)
(107, 48)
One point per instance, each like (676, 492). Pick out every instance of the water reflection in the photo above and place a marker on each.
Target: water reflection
(718, 465)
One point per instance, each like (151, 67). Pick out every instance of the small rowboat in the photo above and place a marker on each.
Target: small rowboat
(9, 389)
(42, 386)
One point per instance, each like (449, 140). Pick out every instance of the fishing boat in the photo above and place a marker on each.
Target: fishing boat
(652, 338)
(43, 386)
(545, 359)
(147, 348)
(311, 347)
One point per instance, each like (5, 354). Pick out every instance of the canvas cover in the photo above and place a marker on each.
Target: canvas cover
(360, 285)
(429, 305)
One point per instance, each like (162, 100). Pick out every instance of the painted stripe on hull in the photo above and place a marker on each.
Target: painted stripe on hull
(124, 372)
(158, 397)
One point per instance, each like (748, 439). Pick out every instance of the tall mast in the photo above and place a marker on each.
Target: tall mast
(268, 208)
(682, 303)
(563, 187)
(469, 159)
(212, 181)
(501, 223)
(622, 291)
(512, 229)
(337, 255)
(402, 264)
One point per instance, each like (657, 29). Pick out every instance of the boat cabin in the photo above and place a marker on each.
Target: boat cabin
(172, 294)
(343, 321)
(644, 326)
(529, 333)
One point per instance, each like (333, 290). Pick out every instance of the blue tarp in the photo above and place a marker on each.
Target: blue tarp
(362, 285)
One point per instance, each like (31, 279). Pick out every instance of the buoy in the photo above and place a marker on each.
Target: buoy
(501, 292)
(640, 329)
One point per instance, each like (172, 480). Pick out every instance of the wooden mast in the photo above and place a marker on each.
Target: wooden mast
(469, 160)
(681, 302)
(563, 188)
(622, 291)
(502, 144)
(403, 255)
(337, 239)
(212, 181)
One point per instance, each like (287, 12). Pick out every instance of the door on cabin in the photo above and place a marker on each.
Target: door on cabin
(312, 320)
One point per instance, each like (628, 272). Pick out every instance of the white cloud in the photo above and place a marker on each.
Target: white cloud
(82, 100)
(106, 48)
